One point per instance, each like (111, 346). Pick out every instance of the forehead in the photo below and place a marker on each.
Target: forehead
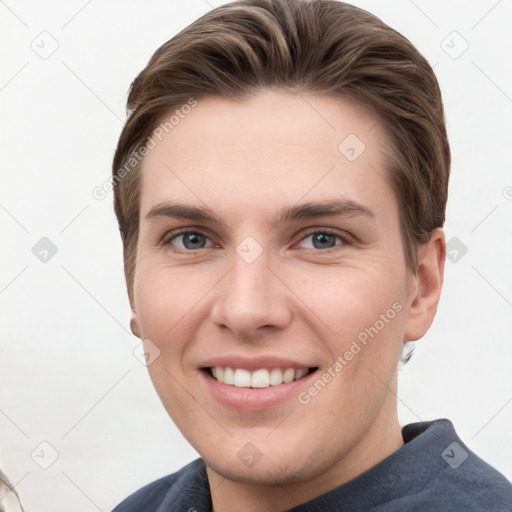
(273, 147)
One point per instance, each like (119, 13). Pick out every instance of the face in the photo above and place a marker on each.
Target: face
(271, 278)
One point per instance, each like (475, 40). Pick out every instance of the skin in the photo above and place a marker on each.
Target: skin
(246, 161)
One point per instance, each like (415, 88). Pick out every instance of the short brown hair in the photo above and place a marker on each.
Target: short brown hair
(316, 46)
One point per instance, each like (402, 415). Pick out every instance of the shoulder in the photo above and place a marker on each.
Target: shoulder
(476, 485)
(151, 496)
(462, 480)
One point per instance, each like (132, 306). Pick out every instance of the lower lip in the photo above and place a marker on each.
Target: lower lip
(254, 399)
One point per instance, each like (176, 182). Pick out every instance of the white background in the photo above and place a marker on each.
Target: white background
(68, 373)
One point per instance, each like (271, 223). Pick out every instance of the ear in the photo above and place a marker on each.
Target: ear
(134, 325)
(134, 321)
(425, 287)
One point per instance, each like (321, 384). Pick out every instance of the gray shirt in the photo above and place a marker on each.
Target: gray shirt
(433, 471)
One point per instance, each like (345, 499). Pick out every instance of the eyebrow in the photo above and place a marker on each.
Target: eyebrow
(309, 210)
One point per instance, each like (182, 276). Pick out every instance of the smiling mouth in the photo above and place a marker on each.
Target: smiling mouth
(262, 378)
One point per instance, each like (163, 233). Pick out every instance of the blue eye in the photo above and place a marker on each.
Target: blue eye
(325, 240)
(190, 240)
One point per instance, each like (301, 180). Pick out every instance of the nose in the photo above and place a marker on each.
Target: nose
(251, 299)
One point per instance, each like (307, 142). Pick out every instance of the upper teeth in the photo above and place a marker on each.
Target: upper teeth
(262, 378)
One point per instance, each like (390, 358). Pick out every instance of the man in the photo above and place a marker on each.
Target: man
(280, 187)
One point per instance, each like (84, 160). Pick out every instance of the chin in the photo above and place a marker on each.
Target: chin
(284, 470)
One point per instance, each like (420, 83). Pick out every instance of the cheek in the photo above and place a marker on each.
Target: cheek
(165, 303)
(361, 315)
(164, 300)
(348, 300)
(361, 318)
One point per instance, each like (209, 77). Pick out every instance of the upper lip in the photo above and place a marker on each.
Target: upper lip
(253, 363)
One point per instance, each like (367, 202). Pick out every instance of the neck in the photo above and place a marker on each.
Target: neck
(382, 439)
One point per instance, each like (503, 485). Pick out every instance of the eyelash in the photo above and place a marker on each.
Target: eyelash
(345, 239)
